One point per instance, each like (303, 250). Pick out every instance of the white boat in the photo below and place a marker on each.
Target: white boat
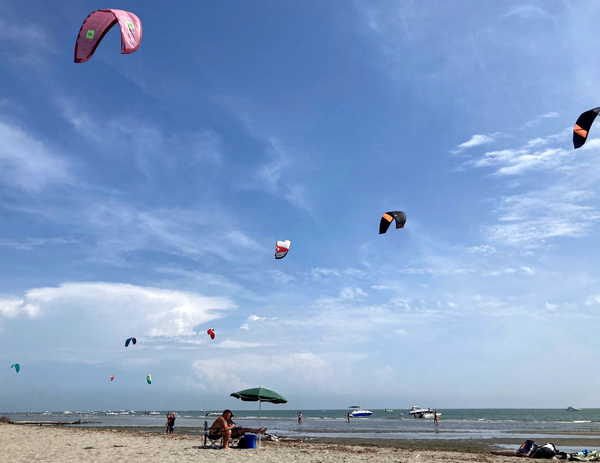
(154, 413)
(67, 412)
(357, 412)
(388, 410)
(426, 413)
(573, 409)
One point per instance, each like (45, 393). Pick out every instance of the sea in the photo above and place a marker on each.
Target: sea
(538, 424)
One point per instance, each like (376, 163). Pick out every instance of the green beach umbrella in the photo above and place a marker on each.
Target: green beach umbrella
(259, 394)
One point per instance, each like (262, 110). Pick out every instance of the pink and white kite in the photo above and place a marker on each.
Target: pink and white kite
(98, 23)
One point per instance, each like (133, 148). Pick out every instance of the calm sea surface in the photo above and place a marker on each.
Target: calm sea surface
(397, 424)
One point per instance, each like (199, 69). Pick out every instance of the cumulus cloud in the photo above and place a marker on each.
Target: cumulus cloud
(122, 308)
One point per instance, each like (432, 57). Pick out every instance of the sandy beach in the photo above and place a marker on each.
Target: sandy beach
(56, 444)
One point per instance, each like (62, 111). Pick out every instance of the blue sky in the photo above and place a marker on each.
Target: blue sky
(141, 195)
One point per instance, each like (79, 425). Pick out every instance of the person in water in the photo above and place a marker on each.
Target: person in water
(300, 418)
(224, 427)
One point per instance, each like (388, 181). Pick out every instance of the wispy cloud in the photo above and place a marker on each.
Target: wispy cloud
(29, 163)
(475, 140)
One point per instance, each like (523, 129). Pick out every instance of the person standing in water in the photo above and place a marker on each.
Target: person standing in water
(436, 417)
(348, 417)
(300, 418)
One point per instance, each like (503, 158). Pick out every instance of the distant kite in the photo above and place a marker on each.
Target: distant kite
(112, 378)
(16, 366)
(211, 333)
(582, 127)
(98, 23)
(130, 340)
(282, 248)
(149, 379)
(389, 217)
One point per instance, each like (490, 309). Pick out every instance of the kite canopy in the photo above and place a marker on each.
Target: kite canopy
(211, 333)
(149, 379)
(282, 248)
(130, 340)
(112, 378)
(389, 217)
(259, 394)
(582, 127)
(16, 366)
(98, 23)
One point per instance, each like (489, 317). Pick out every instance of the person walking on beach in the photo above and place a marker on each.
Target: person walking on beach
(300, 418)
(170, 423)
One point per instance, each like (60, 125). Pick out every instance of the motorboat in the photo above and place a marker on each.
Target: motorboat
(154, 413)
(425, 413)
(357, 412)
(573, 409)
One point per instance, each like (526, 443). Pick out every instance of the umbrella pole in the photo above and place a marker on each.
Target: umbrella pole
(259, 414)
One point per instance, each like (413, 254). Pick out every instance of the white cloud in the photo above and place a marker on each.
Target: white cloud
(12, 307)
(28, 163)
(352, 293)
(125, 308)
(475, 140)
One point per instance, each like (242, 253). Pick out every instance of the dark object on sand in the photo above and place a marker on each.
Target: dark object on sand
(47, 423)
(529, 449)
(4, 419)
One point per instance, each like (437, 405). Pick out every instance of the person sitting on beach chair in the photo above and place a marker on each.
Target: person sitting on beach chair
(223, 427)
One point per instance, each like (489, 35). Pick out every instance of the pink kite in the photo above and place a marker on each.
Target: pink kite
(98, 23)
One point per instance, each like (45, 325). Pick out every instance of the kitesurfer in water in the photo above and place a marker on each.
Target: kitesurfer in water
(224, 427)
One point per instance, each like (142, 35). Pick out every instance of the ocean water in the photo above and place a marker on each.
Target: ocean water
(541, 424)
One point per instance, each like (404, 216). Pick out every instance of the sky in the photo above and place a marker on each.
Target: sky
(141, 195)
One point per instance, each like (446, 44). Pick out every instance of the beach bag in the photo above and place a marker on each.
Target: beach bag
(544, 451)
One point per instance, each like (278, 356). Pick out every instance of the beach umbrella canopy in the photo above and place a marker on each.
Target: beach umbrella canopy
(259, 394)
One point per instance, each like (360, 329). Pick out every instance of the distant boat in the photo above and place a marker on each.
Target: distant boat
(358, 413)
(420, 412)
(388, 410)
(154, 413)
(573, 409)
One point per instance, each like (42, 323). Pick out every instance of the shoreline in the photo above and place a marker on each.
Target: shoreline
(480, 446)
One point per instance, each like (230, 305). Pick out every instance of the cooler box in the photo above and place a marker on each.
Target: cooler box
(248, 441)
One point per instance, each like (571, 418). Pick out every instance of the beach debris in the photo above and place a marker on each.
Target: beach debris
(98, 23)
(16, 366)
(211, 333)
(149, 379)
(388, 217)
(282, 248)
(582, 127)
(130, 340)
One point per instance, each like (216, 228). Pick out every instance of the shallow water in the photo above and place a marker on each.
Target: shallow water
(456, 423)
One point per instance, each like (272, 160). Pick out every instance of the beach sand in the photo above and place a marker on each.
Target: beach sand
(19, 443)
